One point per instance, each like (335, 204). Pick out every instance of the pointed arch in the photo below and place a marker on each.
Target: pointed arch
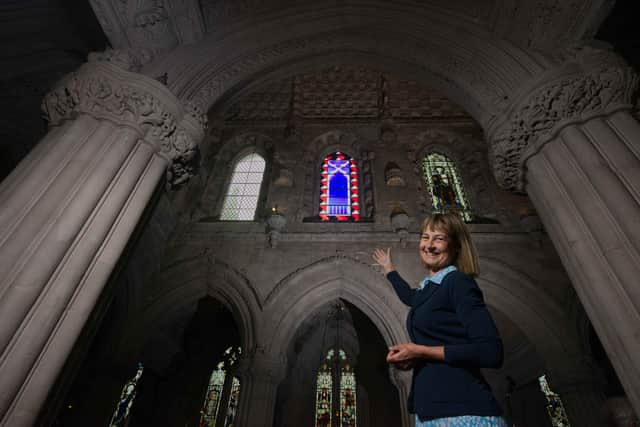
(179, 287)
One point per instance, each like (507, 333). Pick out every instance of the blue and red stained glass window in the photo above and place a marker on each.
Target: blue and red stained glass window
(339, 188)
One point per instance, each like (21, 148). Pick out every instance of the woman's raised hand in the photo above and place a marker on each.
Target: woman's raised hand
(383, 258)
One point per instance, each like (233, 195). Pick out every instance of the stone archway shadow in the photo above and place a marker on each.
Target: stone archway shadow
(178, 290)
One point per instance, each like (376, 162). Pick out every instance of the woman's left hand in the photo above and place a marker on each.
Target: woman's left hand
(401, 353)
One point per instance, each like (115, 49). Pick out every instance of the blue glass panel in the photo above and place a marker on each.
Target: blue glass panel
(339, 202)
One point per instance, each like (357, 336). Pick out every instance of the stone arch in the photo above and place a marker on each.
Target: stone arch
(324, 144)
(301, 293)
(475, 68)
(220, 172)
(179, 288)
(537, 315)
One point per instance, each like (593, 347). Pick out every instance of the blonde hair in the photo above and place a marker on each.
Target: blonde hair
(464, 253)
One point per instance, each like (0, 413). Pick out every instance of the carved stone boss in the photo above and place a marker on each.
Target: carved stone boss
(107, 92)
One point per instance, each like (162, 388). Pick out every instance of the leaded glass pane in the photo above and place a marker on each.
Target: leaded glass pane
(554, 405)
(121, 415)
(212, 398)
(339, 188)
(347, 397)
(323, 397)
(241, 200)
(445, 186)
(215, 391)
(232, 407)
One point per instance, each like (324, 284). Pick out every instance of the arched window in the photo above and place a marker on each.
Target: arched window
(241, 200)
(336, 378)
(445, 186)
(339, 198)
(223, 391)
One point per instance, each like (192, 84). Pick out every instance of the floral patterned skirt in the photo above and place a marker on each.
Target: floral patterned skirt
(464, 421)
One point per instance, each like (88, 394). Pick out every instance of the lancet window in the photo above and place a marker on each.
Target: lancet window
(336, 378)
(223, 392)
(445, 186)
(339, 193)
(554, 405)
(241, 200)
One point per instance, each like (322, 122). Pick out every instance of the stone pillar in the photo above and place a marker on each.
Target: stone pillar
(575, 149)
(68, 210)
(259, 377)
(402, 381)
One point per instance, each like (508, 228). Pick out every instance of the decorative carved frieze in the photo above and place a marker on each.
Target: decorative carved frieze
(571, 98)
(105, 91)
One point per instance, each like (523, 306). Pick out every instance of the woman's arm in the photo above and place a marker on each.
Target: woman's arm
(402, 354)
(484, 348)
(402, 288)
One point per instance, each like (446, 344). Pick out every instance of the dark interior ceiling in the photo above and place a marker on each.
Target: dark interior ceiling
(42, 40)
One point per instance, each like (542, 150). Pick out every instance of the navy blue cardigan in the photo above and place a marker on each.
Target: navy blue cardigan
(453, 315)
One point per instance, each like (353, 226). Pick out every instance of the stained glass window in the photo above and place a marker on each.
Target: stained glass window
(445, 186)
(554, 405)
(347, 397)
(336, 375)
(213, 397)
(324, 391)
(223, 391)
(241, 200)
(232, 407)
(121, 415)
(339, 188)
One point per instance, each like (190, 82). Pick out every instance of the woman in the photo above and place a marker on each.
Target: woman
(452, 332)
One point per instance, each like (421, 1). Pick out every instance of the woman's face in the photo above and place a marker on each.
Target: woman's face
(435, 251)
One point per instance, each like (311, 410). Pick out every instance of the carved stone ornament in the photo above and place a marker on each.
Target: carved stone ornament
(128, 59)
(566, 100)
(105, 91)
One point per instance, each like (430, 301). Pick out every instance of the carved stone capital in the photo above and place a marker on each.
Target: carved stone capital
(106, 91)
(588, 86)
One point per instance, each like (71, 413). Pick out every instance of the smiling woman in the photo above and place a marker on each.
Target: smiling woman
(453, 335)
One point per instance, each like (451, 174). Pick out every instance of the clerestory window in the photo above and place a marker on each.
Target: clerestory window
(241, 200)
(445, 186)
(339, 191)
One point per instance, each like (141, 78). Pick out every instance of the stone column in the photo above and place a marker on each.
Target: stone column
(575, 149)
(259, 376)
(402, 381)
(68, 210)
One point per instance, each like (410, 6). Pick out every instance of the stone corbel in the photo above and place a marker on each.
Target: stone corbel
(105, 91)
(400, 224)
(275, 224)
(589, 84)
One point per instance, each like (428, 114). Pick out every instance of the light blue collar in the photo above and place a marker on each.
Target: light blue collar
(438, 277)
